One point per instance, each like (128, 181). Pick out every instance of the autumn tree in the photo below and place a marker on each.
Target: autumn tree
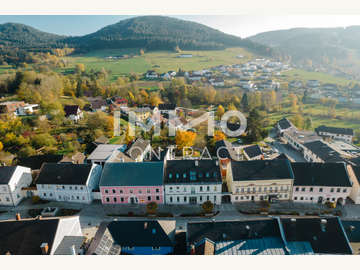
(298, 120)
(185, 139)
(79, 68)
(220, 111)
(1, 146)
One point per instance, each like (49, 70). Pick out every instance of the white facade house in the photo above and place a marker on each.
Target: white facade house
(192, 181)
(320, 182)
(73, 112)
(12, 180)
(354, 175)
(68, 182)
(344, 134)
(27, 109)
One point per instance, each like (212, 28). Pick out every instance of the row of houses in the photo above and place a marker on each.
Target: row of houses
(183, 182)
(261, 236)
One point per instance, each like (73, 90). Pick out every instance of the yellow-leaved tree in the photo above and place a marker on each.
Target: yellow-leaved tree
(184, 139)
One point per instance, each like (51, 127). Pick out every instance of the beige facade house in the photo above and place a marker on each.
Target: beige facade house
(259, 180)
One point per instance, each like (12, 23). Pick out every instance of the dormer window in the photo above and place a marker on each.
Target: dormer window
(215, 174)
(177, 176)
(207, 175)
(170, 175)
(192, 175)
(200, 174)
(184, 175)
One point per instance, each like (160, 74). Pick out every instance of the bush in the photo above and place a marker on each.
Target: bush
(151, 208)
(208, 207)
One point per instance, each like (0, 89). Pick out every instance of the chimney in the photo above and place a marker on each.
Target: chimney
(145, 225)
(323, 223)
(196, 163)
(352, 228)
(72, 250)
(17, 216)
(44, 248)
(248, 229)
(217, 163)
(192, 249)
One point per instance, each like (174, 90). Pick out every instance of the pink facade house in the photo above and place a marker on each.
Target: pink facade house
(132, 183)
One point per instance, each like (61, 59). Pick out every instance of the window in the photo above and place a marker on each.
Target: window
(121, 199)
(157, 190)
(200, 198)
(248, 190)
(215, 174)
(50, 194)
(295, 198)
(81, 188)
(303, 189)
(208, 198)
(63, 187)
(311, 198)
(177, 176)
(215, 189)
(115, 199)
(285, 196)
(106, 191)
(44, 194)
(332, 190)
(254, 189)
(114, 191)
(265, 189)
(75, 187)
(131, 191)
(241, 197)
(301, 198)
(259, 189)
(311, 189)
(107, 199)
(158, 198)
(320, 190)
(170, 175)
(214, 199)
(170, 188)
(178, 199)
(149, 198)
(207, 175)
(184, 189)
(338, 190)
(171, 199)
(177, 188)
(140, 191)
(184, 175)
(344, 190)
(236, 198)
(70, 187)
(121, 191)
(83, 198)
(192, 175)
(208, 188)
(59, 197)
(297, 189)
(201, 188)
(333, 199)
(148, 191)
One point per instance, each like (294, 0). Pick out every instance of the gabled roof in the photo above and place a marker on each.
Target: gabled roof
(132, 174)
(71, 110)
(6, 172)
(137, 233)
(25, 237)
(35, 162)
(253, 151)
(137, 148)
(191, 171)
(335, 130)
(284, 123)
(261, 170)
(324, 151)
(320, 174)
(64, 174)
(167, 106)
(224, 149)
(326, 235)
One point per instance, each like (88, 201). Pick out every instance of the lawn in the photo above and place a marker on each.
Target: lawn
(302, 75)
(160, 61)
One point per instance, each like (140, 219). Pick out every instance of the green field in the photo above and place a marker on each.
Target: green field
(302, 75)
(161, 61)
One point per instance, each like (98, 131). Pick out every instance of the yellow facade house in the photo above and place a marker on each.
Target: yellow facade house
(259, 180)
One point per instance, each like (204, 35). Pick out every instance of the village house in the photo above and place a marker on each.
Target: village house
(103, 152)
(166, 108)
(259, 180)
(284, 125)
(139, 149)
(192, 181)
(73, 112)
(45, 236)
(298, 138)
(219, 82)
(12, 180)
(151, 75)
(320, 151)
(269, 236)
(11, 106)
(68, 182)
(98, 104)
(344, 134)
(320, 182)
(132, 183)
(253, 152)
(27, 109)
(134, 237)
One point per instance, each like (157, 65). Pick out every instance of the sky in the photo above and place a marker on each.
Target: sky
(239, 25)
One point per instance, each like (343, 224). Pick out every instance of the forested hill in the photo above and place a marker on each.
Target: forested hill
(23, 36)
(161, 33)
(337, 49)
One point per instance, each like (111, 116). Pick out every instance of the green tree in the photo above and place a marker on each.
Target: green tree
(208, 207)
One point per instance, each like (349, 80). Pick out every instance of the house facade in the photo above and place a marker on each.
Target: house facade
(320, 182)
(68, 182)
(192, 181)
(132, 183)
(344, 134)
(259, 180)
(12, 180)
(73, 112)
